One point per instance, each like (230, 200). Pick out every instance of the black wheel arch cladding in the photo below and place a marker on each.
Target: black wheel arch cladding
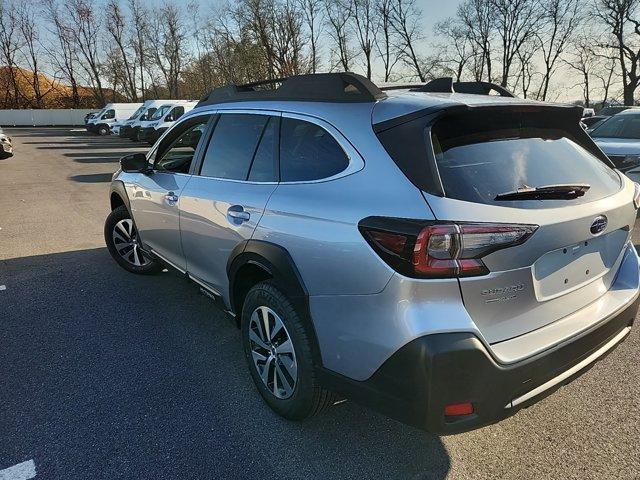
(118, 189)
(280, 266)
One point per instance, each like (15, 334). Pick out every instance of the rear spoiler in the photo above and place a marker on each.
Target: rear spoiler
(564, 114)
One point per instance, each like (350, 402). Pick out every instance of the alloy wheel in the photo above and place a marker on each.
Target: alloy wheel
(272, 352)
(126, 241)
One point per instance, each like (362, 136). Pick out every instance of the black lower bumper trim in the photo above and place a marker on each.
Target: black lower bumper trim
(417, 382)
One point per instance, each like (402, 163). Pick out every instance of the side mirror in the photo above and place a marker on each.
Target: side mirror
(136, 162)
(169, 118)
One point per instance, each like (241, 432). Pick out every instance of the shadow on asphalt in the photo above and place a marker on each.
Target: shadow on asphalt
(92, 177)
(107, 374)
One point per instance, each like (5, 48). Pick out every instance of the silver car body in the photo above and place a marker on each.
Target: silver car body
(536, 296)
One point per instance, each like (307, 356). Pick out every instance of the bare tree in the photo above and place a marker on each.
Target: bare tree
(405, 21)
(457, 48)
(384, 39)
(516, 22)
(477, 20)
(621, 20)
(61, 52)
(169, 46)
(9, 46)
(312, 11)
(337, 17)
(365, 28)
(116, 24)
(139, 37)
(560, 18)
(85, 27)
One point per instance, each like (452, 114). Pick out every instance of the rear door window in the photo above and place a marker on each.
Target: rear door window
(233, 145)
(308, 152)
(265, 162)
(477, 165)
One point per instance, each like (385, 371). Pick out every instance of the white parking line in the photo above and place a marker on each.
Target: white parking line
(21, 471)
(3, 287)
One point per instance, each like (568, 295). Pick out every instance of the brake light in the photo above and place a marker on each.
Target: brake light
(439, 250)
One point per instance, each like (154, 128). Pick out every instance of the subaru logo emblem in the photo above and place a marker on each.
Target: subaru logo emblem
(598, 225)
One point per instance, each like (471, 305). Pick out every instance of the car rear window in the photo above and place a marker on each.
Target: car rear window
(475, 155)
(478, 165)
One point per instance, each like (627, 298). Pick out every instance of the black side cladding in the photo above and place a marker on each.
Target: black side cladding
(407, 142)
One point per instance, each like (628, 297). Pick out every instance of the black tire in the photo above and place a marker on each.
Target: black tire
(103, 130)
(148, 265)
(308, 397)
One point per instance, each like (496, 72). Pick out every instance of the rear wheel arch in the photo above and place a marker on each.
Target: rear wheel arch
(254, 261)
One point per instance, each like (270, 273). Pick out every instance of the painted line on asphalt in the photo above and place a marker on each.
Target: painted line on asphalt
(3, 287)
(21, 471)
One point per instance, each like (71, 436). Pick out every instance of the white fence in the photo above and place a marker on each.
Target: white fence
(35, 118)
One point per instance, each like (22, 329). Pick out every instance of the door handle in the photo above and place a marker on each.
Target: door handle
(171, 198)
(236, 214)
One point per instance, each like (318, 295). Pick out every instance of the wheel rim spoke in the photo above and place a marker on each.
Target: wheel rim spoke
(284, 381)
(257, 340)
(285, 347)
(125, 241)
(290, 366)
(272, 352)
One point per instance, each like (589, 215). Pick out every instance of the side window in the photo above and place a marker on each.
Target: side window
(265, 162)
(177, 157)
(149, 114)
(175, 114)
(109, 114)
(233, 145)
(308, 152)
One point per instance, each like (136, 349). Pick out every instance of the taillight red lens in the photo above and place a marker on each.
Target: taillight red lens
(440, 250)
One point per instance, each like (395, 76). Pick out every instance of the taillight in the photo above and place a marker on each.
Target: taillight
(440, 250)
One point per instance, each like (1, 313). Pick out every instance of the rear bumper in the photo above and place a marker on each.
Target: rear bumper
(419, 380)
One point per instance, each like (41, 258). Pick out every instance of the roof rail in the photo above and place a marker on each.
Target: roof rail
(344, 87)
(447, 85)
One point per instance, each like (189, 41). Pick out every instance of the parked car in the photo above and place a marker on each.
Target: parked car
(619, 138)
(416, 252)
(165, 116)
(130, 128)
(594, 120)
(109, 115)
(6, 147)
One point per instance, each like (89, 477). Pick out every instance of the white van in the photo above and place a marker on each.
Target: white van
(110, 114)
(163, 118)
(131, 127)
(117, 126)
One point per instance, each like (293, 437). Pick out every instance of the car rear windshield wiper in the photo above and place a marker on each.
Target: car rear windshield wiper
(546, 192)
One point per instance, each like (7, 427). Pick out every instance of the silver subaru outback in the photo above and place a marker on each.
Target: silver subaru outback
(441, 255)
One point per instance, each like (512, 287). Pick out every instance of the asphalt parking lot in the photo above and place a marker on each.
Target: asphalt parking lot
(109, 375)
